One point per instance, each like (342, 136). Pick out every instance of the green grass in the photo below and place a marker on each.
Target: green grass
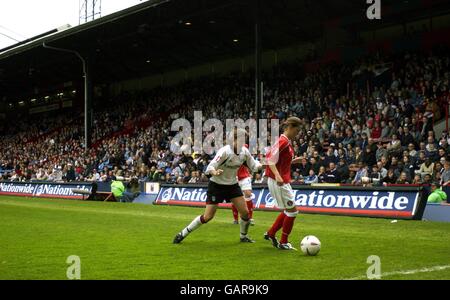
(134, 241)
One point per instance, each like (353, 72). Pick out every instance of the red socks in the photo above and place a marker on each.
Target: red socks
(250, 209)
(287, 228)
(235, 212)
(283, 221)
(277, 224)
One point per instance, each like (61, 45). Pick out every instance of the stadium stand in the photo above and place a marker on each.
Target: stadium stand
(369, 121)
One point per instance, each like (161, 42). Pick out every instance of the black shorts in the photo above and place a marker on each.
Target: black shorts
(218, 193)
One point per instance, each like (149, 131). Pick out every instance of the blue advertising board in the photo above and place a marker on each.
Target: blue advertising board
(386, 202)
(43, 189)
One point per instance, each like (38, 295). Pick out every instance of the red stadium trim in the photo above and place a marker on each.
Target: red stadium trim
(368, 212)
(189, 203)
(407, 185)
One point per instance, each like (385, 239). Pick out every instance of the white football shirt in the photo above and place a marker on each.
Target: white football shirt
(229, 162)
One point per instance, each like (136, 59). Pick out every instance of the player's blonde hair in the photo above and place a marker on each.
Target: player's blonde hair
(292, 121)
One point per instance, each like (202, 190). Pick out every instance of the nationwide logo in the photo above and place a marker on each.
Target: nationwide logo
(362, 200)
(17, 188)
(183, 194)
(349, 200)
(59, 190)
(41, 189)
(166, 195)
(269, 201)
(379, 203)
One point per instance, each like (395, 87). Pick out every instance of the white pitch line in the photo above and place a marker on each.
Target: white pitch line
(406, 272)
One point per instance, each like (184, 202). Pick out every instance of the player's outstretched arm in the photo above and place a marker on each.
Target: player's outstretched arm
(297, 160)
(219, 159)
(252, 163)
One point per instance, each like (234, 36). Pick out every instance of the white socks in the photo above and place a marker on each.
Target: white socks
(191, 227)
(244, 227)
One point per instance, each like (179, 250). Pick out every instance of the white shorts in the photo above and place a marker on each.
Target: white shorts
(245, 184)
(283, 194)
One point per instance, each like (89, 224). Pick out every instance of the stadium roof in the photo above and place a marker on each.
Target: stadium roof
(161, 35)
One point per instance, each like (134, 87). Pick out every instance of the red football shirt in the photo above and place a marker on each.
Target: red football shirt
(243, 173)
(285, 155)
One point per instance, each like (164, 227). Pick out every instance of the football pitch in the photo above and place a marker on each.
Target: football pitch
(134, 241)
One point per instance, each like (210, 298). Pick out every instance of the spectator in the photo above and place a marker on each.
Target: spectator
(304, 167)
(436, 195)
(343, 170)
(381, 151)
(375, 175)
(351, 177)
(186, 177)
(390, 177)
(120, 193)
(394, 146)
(335, 127)
(426, 168)
(427, 179)
(408, 167)
(311, 178)
(362, 172)
(412, 150)
(417, 179)
(315, 165)
(403, 179)
(195, 178)
(376, 131)
(332, 175)
(169, 179)
(297, 178)
(406, 137)
(70, 176)
(386, 131)
(258, 179)
(322, 175)
(369, 157)
(445, 177)
(383, 171)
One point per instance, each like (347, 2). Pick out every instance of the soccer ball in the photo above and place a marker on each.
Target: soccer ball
(310, 245)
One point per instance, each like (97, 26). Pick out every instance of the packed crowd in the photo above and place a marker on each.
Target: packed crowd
(369, 122)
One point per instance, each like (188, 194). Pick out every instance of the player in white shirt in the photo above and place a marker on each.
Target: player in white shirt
(223, 186)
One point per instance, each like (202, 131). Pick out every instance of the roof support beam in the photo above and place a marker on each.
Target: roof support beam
(88, 93)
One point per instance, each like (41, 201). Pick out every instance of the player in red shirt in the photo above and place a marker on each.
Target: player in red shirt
(245, 182)
(278, 171)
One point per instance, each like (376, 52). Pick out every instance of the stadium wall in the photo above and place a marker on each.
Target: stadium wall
(437, 213)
